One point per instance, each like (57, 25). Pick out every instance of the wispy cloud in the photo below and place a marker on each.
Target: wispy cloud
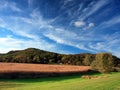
(111, 22)
(82, 33)
(30, 3)
(9, 5)
(24, 26)
(59, 35)
(67, 37)
(92, 8)
(65, 3)
(110, 43)
(38, 20)
(28, 27)
(9, 43)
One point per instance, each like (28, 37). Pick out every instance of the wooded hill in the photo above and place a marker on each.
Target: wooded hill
(32, 55)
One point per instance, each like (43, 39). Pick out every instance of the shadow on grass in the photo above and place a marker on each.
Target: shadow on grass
(4, 85)
(53, 78)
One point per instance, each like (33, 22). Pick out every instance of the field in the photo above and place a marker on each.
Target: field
(71, 82)
(104, 82)
(45, 68)
(20, 70)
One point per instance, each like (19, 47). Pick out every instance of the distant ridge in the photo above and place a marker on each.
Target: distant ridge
(34, 55)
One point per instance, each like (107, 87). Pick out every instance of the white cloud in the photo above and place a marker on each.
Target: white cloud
(109, 23)
(83, 25)
(90, 25)
(66, 37)
(9, 5)
(92, 8)
(25, 27)
(87, 41)
(31, 26)
(110, 43)
(10, 43)
(14, 7)
(97, 6)
(60, 35)
(38, 20)
(56, 39)
(79, 23)
(65, 2)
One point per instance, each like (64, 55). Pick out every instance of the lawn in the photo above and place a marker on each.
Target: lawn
(103, 82)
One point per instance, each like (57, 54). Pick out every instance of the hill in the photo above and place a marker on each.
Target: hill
(33, 55)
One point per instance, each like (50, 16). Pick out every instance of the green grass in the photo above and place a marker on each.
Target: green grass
(104, 82)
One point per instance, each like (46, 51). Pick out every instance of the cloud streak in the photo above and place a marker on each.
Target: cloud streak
(10, 43)
(25, 27)
(72, 26)
(109, 23)
(9, 5)
(92, 8)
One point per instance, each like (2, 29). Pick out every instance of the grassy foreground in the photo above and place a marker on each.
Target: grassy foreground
(104, 82)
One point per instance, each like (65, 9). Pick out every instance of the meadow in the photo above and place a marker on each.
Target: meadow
(73, 82)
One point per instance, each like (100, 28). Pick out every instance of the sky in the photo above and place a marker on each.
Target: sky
(62, 26)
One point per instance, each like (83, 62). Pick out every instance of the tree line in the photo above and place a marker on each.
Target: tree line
(102, 62)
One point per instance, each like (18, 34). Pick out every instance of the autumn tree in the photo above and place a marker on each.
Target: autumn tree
(103, 63)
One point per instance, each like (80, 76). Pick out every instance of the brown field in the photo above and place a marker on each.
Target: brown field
(38, 70)
(13, 67)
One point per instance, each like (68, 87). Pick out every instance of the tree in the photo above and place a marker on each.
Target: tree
(65, 59)
(87, 60)
(36, 59)
(51, 61)
(103, 63)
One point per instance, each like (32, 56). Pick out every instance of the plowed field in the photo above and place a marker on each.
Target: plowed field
(13, 67)
(20, 70)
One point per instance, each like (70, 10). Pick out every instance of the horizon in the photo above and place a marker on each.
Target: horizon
(58, 53)
(60, 26)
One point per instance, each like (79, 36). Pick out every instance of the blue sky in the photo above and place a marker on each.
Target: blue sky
(62, 26)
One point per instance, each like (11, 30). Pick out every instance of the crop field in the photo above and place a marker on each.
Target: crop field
(19, 67)
(20, 70)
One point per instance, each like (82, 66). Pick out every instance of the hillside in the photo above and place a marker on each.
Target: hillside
(32, 55)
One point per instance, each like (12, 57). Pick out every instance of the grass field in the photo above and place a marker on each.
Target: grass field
(104, 82)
